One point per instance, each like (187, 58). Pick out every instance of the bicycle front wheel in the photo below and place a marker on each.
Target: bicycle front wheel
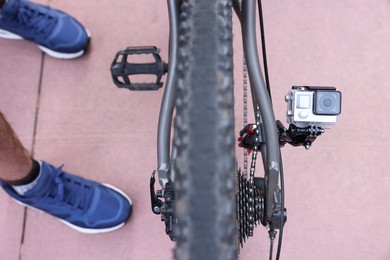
(204, 129)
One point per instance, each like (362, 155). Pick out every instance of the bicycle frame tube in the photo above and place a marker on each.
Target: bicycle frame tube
(168, 101)
(262, 98)
(237, 8)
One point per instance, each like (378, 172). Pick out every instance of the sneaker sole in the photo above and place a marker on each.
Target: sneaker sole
(88, 230)
(59, 55)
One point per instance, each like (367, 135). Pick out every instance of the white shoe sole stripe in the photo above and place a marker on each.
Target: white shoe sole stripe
(9, 35)
(59, 55)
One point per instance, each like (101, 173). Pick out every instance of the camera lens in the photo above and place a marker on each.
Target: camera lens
(327, 102)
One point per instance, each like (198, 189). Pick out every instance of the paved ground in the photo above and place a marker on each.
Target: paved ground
(69, 112)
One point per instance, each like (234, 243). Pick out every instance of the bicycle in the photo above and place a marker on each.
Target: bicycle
(208, 204)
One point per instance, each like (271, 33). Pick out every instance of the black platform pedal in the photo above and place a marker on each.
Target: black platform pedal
(121, 69)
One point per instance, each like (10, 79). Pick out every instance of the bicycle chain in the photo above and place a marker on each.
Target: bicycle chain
(245, 109)
(249, 198)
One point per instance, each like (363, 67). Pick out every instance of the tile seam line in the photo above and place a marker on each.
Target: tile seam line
(36, 116)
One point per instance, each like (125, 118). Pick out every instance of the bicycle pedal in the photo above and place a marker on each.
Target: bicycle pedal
(122, 69)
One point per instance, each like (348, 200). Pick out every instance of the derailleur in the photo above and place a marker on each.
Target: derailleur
(247, 138)
(166, 208)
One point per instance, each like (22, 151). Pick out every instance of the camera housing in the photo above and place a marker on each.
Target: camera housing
(313, 106)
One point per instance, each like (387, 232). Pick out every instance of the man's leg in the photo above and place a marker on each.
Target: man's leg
(15, 160)
(84, 205)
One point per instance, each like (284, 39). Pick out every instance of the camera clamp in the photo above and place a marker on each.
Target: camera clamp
(296, 136)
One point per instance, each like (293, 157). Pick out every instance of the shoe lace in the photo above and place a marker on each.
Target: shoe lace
(74, 192)
(32, 17)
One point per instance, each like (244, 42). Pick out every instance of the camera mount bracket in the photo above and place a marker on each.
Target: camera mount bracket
(298, 136)
(295, 136)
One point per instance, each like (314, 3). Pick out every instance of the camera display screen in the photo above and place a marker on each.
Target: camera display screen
(327, 103)
(303, 101)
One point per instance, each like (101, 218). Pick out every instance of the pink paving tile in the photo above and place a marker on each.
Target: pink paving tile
(335, 193)
(99, 132)
(19, 76)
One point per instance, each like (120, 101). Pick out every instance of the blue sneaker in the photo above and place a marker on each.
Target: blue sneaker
(56, 33)
(84, 205)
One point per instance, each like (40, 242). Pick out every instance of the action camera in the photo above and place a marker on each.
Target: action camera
(313, 106)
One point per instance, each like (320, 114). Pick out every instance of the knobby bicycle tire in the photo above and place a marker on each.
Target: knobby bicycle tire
(204, 133)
